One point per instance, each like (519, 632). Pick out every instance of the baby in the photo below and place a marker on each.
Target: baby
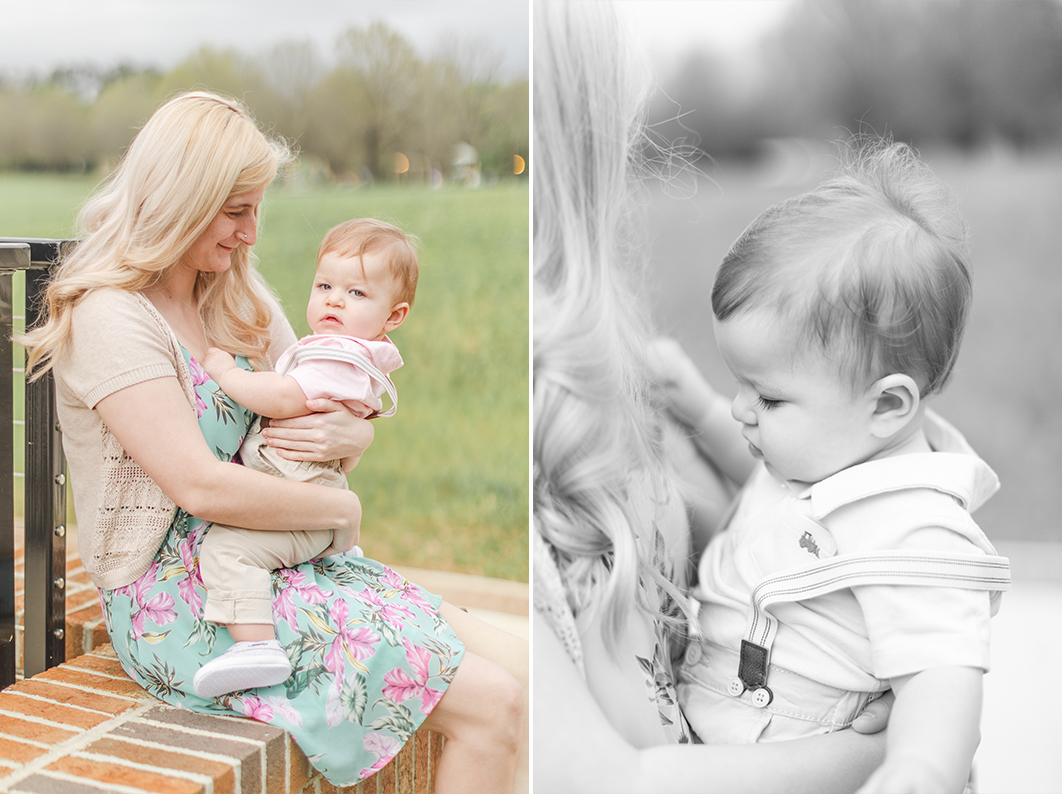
(850, 563)
(364, 287)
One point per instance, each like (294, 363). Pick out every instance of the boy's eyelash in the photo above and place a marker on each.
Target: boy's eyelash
(766, 403)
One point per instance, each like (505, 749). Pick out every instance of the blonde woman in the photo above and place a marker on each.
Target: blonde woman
(610, 534)
(163, 272)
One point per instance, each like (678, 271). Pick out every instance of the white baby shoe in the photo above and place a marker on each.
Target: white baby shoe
(245, 665)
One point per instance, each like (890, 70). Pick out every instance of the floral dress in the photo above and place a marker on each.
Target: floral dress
(371, 655)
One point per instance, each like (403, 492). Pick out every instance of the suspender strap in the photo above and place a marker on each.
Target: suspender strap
(926, 569)
(352, 357)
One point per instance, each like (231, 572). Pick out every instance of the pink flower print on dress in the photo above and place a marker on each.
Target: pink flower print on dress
(398, 584)
(267, 709)
(349, 646)
(199, 377)
(190, 586)
(384, 747)
(295, 584)
(393, 614)
(159, 610)
(400, 686)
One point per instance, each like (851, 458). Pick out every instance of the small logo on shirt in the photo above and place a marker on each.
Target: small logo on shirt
(807, 542)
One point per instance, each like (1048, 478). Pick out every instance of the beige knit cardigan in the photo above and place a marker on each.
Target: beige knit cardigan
(118, 339)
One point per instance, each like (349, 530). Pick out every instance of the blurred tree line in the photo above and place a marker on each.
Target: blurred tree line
(380, 112)
(970, 73)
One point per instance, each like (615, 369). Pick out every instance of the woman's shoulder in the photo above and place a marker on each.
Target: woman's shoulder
(113, 330)
(110, 306)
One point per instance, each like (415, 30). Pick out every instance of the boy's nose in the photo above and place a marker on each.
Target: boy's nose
(741, 408)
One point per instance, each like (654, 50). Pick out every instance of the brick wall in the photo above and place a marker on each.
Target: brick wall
(85, 727)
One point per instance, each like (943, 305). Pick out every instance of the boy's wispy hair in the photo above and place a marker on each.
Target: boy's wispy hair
(872, 265)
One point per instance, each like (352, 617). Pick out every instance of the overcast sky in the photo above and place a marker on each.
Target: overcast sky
(40, 35)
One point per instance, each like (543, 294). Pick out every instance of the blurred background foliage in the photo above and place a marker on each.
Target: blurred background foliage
(971, 73)
(376, 111)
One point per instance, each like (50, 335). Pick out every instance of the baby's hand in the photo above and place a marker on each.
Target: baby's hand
(679, 385)
(906, 776)
(217, 362)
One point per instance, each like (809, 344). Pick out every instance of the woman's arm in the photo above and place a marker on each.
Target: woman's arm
(152, 421)
(577, 750)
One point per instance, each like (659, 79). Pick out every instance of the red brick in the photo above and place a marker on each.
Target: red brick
(126, 776)
(53, 712)
(78, 601)
(125, 687)
(223, 775)
(386, 777)
(18, 752)
(34, 731)
(102, 664)
(88, 612)
(246, 753)
(72, 697)
(75, 638)
(421, 742)
(404, 768)
(301, 771)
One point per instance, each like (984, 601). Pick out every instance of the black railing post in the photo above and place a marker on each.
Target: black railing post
(44, 639)
(13, 256)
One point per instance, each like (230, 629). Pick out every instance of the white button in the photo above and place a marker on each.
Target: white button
(762, 697)
(735, 687)
(693, 653)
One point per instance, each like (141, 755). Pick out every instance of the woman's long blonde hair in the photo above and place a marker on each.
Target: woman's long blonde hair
(598, 478)
(195, 151)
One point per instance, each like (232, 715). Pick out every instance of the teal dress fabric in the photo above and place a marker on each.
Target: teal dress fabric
(371, 655)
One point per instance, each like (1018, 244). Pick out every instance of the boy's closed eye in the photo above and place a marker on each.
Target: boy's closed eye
(766, 403)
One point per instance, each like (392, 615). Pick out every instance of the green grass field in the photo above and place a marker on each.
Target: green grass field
(445, 484)
(1004, 393)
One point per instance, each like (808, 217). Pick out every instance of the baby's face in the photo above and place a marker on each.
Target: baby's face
(350, 299)
(797, 412)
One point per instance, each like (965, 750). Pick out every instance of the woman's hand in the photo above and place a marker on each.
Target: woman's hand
(329, 432)
(875, 715)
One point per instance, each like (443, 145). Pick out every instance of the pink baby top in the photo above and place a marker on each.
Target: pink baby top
(341, 380)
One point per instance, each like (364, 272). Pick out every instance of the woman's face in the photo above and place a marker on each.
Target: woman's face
(236, 223)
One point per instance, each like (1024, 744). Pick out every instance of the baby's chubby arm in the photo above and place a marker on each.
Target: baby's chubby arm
(266, 393)
(934, 731)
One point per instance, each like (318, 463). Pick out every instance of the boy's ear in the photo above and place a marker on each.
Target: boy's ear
(398, 316)
(896, 399)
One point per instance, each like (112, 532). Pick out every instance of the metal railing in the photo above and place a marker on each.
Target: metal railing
(44, 478)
